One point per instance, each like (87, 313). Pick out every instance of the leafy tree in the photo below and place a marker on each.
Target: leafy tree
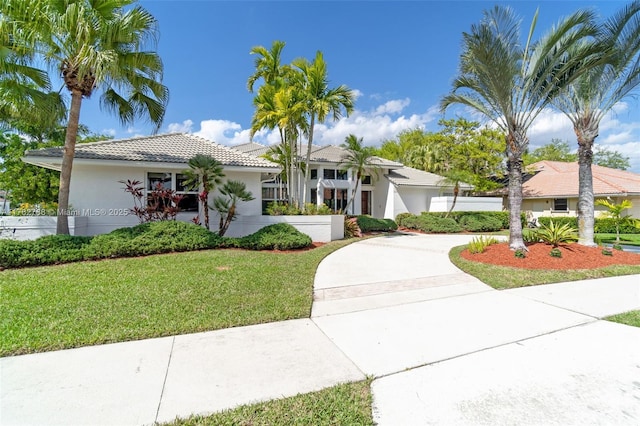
(400, 149)
(359, 159)
(232, 192)
(204, 173)
(557, 150)
(92, 45)
(511, 83)
(594, 93)
(605, 157)
(320, 101)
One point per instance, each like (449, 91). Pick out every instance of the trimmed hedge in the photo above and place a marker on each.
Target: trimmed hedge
(144, 239)
(370, 224)
(432, 224)
(279, 236)
(603, 225)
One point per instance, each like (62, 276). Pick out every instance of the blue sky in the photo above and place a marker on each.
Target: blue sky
(399, 57)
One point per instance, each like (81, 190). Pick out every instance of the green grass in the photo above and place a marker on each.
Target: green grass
(503, 277)
(87, 303)
(346, 404)
(628, 239)
(628, 318)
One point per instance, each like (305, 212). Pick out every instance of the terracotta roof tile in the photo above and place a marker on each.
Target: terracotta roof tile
(558, 179)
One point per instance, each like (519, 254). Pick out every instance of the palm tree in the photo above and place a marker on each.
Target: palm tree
(320, 101)
(205, 173)
(594, 94)
(614, 211)
(511, 83)
(267, 63)
(232, 192)
(358, 159)
(92, 45)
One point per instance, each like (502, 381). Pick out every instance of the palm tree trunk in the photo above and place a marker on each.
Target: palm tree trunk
(586, 213)
(456, 190)
(62, 225)
(515, 199)
(307, 166)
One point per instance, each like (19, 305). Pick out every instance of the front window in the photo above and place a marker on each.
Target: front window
(314, 174)
(175, 182)
(329, 174)
(342, 175)
(560, 204)
(366, 180)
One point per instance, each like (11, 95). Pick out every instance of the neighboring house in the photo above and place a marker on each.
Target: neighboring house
(98, 167)
(552, 188)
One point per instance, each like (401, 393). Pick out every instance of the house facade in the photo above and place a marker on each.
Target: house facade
(552, 190)
(97, 191)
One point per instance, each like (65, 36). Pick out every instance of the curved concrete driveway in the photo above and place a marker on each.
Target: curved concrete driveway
(446, 349)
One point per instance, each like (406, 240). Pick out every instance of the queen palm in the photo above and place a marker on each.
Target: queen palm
(93, 45)
(589, 98)
(511, 83)
(320, 101)
(358, 159)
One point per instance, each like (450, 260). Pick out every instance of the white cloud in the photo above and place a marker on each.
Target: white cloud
(110, 132)
(393, 107)
(184, 127)
(224, 132)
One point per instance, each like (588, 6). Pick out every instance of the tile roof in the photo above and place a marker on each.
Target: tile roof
(319, 154)
(558, 179)
(407, 176)
(165, 148)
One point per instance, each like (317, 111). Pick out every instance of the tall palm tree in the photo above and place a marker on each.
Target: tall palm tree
(204, 173)
(589, 98)
(358, 159)
(268, 64)
(320, 101)
(511, 83)
(93, 45)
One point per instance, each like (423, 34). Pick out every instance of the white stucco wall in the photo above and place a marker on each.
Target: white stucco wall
(466, 204)
(322, 228)
(96, 193)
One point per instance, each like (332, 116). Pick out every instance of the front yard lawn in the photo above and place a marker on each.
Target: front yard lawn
(88, 303)
(629, 318)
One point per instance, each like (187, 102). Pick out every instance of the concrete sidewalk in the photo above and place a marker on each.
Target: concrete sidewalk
(444, 348)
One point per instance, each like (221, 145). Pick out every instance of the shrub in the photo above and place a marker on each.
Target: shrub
(480, 222)
(520, 254)
(607, 252)
(279, 236)
(314, 209)
(607, 225)
(563, 220)
(432, 224)
(555, 252)
(370, 224)
(45, 250)
(282, 209)
(556, 234)
(351, 228)
(402, 216)
(479, 244)
(530, 236)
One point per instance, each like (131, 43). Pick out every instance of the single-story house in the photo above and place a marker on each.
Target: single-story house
(551, 188)
(96, 191)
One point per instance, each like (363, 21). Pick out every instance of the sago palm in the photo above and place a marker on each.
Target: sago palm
(511, 83)
(92, 46)
(589, 98)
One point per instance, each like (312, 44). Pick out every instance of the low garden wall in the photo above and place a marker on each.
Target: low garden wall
(466, 204)
(32, 227)
(321, 228)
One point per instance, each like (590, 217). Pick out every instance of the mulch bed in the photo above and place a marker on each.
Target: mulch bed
(574, 256)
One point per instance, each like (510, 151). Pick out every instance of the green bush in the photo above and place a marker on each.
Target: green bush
(351, 228)
(432, 223)
(479, 244)
(555, 234)
(47, 250)
(152, 237)
(607, 225)
(370, 224)
(401, 217)
(480, 222)
(279, 236)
